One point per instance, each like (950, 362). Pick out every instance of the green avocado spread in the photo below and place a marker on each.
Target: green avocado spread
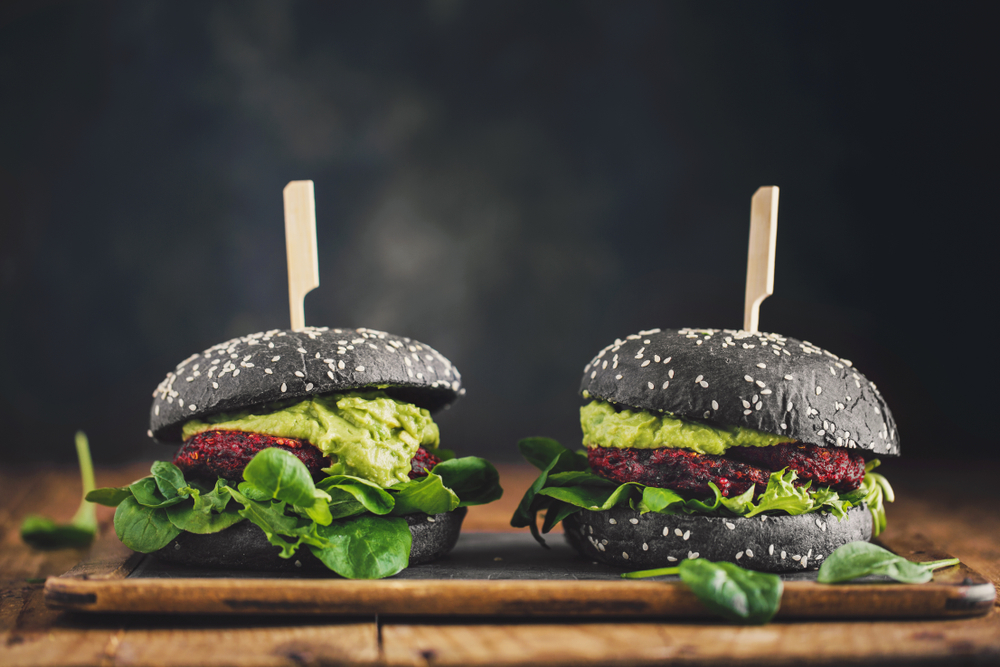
(605, 427)
(366, 434)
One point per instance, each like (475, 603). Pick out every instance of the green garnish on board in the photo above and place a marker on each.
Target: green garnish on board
(41, 532)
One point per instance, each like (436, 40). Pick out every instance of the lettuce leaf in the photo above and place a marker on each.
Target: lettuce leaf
(567, 485)
(351, 524)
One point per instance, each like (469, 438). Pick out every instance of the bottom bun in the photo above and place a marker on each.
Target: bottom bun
(628, 539)
(243, 546)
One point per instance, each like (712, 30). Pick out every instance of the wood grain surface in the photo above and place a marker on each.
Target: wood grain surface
(951, 505)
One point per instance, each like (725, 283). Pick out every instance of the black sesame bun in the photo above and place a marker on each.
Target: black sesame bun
(275, 365)
(761, 381)
(623, 537)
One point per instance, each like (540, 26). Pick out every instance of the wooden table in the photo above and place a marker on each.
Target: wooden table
(953, 506)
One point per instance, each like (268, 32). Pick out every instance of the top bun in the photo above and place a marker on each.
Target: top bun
(762, 381)
(275, 365)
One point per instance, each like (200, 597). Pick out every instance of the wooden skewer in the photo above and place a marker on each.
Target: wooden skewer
(760, 258)
(300, 244)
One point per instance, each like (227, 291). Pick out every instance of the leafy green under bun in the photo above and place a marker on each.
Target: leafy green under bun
(349, 523)
(566, 485)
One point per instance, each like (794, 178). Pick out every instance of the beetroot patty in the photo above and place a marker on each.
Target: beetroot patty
(825, 466)
(213, 454)
(677, 469)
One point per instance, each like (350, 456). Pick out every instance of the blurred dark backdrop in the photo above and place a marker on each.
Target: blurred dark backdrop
(514, 183)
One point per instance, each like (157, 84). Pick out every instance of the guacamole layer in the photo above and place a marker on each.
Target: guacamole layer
(366, 434)
(603, 426)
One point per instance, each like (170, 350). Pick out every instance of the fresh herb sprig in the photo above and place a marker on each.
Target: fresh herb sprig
(41, 532)
(354, 526)
(736, 594)
(860, 559)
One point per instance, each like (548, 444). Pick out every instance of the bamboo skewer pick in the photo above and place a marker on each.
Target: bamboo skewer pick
(760, 257)
(300, 244)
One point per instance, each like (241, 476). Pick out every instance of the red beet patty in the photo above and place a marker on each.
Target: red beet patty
(677, 469)
(837, 468)
(213, 454)
(690, 472)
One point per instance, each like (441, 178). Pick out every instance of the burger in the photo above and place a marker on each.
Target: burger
(311, 449)
(747, 447)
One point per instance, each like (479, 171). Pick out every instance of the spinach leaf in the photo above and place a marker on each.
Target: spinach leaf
(532, 503)
(782, 494)
(43, 533)
(474, 480)
(109, 496)
(169, 478)
(188, 518)
(428, 495)
(282, 475)
(656, 500)
(147, 493)
(859, 559)
(348, 491)
(739, 595)
(365, 547)
(143, 529)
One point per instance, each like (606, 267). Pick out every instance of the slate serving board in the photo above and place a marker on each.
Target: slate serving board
(487, 574)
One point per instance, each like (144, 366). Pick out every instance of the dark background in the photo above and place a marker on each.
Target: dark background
(514, 183)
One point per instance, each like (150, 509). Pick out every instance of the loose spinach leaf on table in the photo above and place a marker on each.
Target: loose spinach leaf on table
(42, 532)
(860, 559)
(736, 594)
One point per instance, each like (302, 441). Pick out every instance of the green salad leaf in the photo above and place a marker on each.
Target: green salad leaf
(365, 547)
(567, 485)
(42, 532)
(860, 559)
(736, 594)
(351, 524)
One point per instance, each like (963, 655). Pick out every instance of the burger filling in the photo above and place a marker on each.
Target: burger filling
(363, 434)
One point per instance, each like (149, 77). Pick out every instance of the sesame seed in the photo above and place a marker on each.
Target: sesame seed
(301, 350)
(299, 374)
(704, 385)
(819, 390)
(666, 531)
(192, 407)
(431, 519)
(730, 525)
(746, 404)
(309, 386)
(795, 557)
(760, 384)
(692, 555)
(770, 550)
(624, 555)
(671, 559)
(236, 372)
(650, 385)
(749, 553)
(633, 521)
(687, 535)
(666, 384)
(644, 364)
(284, 387)
(678, 532)
(360, 369)
(215, 385)
(329, 374)
(748, 378)
(645, 547)
(783, 555)
(618, 377)
(747, 412)
(268, 371)
(656, 358)
(762, 365)
(670, 374)
(739, 555)
(667, 360)
(759, 405)
(612, 522)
